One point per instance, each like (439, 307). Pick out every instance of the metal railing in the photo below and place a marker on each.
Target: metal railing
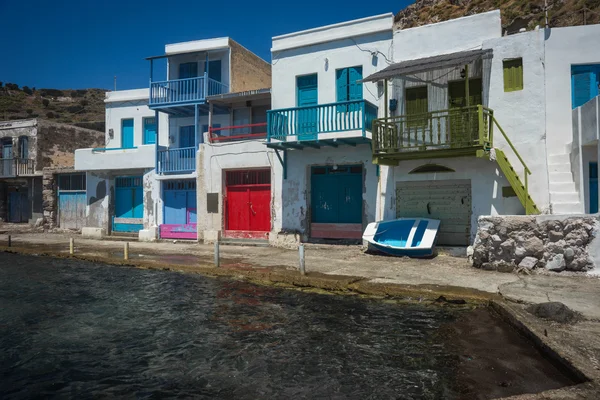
(305, 123)
(185, 90)
(11, 167)
(457, 128)
(238, 132)
(181, 160)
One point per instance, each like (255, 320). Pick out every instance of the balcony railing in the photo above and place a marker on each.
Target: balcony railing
(306, 123)
(238, 132)
(11, 167)
(447, 132)
(177, 161)
(181, 91)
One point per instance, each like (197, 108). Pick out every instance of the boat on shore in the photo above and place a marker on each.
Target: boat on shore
(412, 237)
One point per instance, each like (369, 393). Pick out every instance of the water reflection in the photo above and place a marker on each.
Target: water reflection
(76, 329)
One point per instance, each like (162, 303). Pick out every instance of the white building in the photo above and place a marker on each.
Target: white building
(320, 127)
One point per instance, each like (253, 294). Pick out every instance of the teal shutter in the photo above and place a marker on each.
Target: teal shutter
(582, 88)
(355, 86)
(149, 130)
(342, 84)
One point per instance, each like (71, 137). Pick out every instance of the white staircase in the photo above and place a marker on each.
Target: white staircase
(564, 197)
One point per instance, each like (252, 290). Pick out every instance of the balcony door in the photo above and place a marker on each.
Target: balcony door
(464, 130)
(307, 96)
(7, 155)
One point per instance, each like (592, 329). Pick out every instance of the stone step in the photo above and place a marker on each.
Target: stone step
(561, 177)
(559, 159)
(566, 197)
(244, 242)
(563, 187)
(566, 167)
(567, 208)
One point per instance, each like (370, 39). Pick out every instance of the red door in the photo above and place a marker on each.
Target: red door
(248, 204)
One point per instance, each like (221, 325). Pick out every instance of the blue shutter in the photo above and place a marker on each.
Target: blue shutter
(584, 83)
(356, 87)
(342, 84)
(149, 130)
(188, 70)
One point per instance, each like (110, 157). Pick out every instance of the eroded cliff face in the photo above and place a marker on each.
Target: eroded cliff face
(516, 14)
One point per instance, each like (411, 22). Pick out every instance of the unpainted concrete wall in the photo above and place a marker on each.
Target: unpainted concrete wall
(248, 71)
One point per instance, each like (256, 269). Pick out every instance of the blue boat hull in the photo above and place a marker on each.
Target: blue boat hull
(402, 252)
(412, 237)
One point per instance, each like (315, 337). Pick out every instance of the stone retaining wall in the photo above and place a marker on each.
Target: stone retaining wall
(553, 242)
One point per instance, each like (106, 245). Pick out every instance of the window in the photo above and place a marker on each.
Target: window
(71, 182)
(585, 80)
(416, 106)
(513, 74)
(348, 84)
(188, 70)
(149, 130)
(24, 147)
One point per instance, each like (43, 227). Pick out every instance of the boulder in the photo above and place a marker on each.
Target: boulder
(528, 263)
(569, 254)
(557, 263)
(555, 236)
(554, 311)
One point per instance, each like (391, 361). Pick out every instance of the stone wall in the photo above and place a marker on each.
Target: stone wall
(49, 200)
(553, 242)
(248, 71)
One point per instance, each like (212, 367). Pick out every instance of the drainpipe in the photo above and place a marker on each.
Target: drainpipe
(385, 98)
(468, 103)
(156, 143)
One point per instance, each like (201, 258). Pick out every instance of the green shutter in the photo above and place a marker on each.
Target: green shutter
(416, 103)
(513, 75)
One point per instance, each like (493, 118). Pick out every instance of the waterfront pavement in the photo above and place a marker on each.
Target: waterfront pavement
(444, 273)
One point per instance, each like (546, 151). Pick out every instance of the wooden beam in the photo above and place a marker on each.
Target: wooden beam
(312, 145)
(345, 141)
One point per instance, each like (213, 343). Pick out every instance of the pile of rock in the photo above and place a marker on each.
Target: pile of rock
(506, 242)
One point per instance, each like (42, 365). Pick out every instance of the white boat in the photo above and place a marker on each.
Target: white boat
(413, 237)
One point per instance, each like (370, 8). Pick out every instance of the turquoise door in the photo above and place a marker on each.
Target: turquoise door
(336, 194)
(593, 187)
(127, 133)
(129, 204)
(307, 118)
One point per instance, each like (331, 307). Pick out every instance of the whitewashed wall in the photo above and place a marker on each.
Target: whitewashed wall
(214, 160)
(565, 47)
(522, 113)
(294, 192)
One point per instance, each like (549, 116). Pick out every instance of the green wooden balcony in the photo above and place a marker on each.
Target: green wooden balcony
(454, 132)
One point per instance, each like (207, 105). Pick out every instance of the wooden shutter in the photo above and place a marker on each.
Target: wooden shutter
(513, 75)
(416, 103)
(355, 86)
(584, 86)
(342, 84)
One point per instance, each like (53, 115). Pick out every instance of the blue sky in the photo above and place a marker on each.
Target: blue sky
(73, 44)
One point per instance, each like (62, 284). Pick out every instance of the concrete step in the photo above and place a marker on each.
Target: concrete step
(562, 187)
(559, 159)
(565, 167)
(566, 197)
(561, 177)
(567, 208)
(244, 242)
(124, 235)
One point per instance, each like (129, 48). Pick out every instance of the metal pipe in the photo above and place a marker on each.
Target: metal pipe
(9, 241)
(126, 251)
(71, 246)
(217, 258)
(385, 98)
(302, 260)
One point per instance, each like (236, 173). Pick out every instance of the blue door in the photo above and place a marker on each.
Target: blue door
(127, 133)
(18, 207)
(129, 204)
(187, 137)
(307, 96)
(71, 209)
(180, 214)
(593, 187)
(336, 194)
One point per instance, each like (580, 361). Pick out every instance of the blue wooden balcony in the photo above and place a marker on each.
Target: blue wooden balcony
(347, 122)
(177, 161)
(184, 92)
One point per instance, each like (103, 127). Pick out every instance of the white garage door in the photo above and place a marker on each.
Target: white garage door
(448, 201)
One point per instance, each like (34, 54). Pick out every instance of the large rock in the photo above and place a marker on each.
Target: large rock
(528, 263)
(554, 311)
(555, 236)
(557, 263)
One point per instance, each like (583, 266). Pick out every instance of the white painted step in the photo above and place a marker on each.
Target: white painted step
(559, 159)
(559, 168)
(563, 187)
(561, 177)
(566, 197)
(567, 208)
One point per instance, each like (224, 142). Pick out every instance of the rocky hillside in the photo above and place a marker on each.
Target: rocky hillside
(84, 107)
(516, 14)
